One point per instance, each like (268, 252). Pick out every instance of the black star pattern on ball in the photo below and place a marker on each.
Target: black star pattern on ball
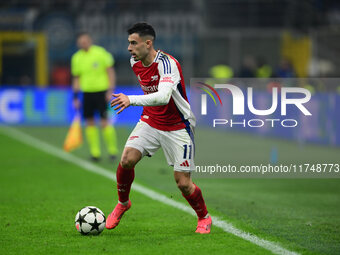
(93, 210)
(95, 225)
(81, 219)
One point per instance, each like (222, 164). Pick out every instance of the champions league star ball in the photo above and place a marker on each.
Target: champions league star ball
(90, 221)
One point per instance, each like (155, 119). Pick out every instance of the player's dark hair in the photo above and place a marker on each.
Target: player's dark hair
(142, 29)
(82, 33)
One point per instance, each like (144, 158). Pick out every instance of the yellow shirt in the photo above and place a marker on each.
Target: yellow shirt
(90, 66)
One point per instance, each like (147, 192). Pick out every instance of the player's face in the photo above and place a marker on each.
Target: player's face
(84, 42)
(139, 47)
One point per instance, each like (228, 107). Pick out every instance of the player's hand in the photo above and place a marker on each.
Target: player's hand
(76, 103)
(121, 102)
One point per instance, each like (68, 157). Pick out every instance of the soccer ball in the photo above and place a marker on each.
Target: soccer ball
(90, 221)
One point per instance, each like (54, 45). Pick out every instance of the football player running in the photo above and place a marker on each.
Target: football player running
(166, 122)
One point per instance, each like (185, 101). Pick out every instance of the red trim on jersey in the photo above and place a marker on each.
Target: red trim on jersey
(181, 75)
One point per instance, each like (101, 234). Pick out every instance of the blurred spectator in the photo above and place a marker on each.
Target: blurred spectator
(248, 67)
(285, 69)
(221, 72)
(273, 84)
(263, 70)
(61, 76)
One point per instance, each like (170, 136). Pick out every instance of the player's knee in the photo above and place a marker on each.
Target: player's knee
(127, 162)
(183, 186)
(130, 157)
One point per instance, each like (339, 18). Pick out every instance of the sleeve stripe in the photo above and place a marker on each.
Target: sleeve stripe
(163, 65)
(169, 64)
(157, 56)
(166, 64)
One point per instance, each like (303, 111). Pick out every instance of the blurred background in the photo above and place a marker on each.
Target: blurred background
(212, 39)
(288, 38)
(216, 39)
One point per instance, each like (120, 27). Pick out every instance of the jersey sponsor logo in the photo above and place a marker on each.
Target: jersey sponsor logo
(167, 79)
(185, 163)
(154, 78)
(133, 137)
(149, 89)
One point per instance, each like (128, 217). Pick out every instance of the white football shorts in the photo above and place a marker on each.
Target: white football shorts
(178, 147)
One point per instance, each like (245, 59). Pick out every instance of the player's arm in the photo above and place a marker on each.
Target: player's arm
(112, 77)
(112, 82)
(76, 92)
(109, 63)
(161, 97)
(168, 80)
(75, 70)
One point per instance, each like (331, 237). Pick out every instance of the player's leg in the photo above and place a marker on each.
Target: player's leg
(91, 130)
(193, 194)
(178, 147)
(125, 175)
(108, 130)
(141, 142)
(110, 138)
(184, 182)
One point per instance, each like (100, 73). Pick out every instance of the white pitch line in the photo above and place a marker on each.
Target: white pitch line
(88, 166)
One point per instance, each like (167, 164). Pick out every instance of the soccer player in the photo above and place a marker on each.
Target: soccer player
(166, 122)
(93, 74)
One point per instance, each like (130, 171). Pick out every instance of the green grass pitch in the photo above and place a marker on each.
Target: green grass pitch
(41, 194)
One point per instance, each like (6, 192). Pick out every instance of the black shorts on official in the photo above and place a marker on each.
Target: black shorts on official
(94, 102)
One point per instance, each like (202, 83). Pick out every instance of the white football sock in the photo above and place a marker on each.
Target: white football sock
(125, 203)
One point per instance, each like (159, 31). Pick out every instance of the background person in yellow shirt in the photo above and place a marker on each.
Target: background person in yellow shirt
(93, 74)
